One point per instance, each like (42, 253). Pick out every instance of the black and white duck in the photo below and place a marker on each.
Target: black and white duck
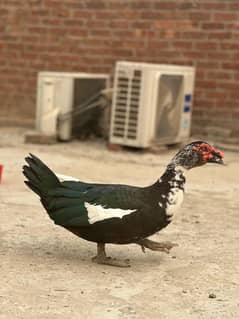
(114, 213)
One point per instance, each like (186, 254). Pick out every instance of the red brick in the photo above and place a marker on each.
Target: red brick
(100, 32)
(235, 96)
(233, 5)
(182, 44)
(219, 56)
(123, 52)
(213, 26)
(107, 15)
(91, 60)
(192, 35)
(225, 16)
(201, 16)
(39, 12)
(96, 24)
(37, 29)
(229, 46)
(3, 12)
(76, 32)
(51, 3)
(164, 24)
(235, 114)
(212, 5)
(150, 15)
(232, 26)
(209, 65)
(83, 14)
(95, 5)
(234, 65)
(130, 14)
(69, 57)
(219, 75)
(182, 25)
(166, 5)
(73, 22)
(92, 43)
(195, 55)
(141, 5)
(207, 46)
(220, 35)
(10, 55)
(52, 21)
(207, 84)
(157, 43)
(15, 46)
(123, 33)
(217, 95)
(139, 24)
(118, 5)
(228, 85)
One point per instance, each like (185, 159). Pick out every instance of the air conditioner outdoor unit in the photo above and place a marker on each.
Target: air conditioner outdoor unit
(151, 103)
(59, 94)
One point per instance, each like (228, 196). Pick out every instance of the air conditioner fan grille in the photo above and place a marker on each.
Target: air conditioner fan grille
(127, 102)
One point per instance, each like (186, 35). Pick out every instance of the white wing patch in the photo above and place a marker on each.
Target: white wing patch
(64, 178)
(98, 213)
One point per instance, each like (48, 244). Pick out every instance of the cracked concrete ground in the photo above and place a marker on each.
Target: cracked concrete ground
(46, 272)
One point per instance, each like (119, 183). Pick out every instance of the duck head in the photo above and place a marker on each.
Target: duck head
(197, 154)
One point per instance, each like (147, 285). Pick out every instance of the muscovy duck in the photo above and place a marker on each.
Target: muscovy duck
(117, 214)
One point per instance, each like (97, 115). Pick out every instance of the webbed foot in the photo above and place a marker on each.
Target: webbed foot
(101, 258)
(164, 246)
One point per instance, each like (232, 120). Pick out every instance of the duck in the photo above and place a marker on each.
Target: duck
(117, 213)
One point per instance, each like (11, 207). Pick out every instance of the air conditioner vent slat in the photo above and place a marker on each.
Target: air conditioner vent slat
(134, 96)
(133, 108)
(133, 116)
(122, 96)
(135, 92)
(121, 105)
(121, 99)
(120, 109)
(119, 128)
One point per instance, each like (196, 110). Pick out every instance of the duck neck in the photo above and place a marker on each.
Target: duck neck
(173, 176)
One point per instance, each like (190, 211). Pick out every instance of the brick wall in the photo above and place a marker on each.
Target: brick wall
(84, 35)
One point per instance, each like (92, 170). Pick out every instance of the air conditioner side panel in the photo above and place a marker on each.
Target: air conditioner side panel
(64, 103)
(186, 119)
(46, 115)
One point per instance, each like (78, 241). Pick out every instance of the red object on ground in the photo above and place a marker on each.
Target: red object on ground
(1, 169)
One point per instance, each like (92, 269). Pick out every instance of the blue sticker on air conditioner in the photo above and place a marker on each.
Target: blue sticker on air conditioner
(187, 108)
(188, 98)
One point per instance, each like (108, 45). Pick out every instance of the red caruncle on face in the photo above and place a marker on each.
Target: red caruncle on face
(207, 151)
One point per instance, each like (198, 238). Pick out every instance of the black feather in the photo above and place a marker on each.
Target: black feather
(33, 188)
(39, 177)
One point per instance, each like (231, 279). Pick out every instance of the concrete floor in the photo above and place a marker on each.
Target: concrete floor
(46, 272)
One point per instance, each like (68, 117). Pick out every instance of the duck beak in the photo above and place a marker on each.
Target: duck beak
(216, 157)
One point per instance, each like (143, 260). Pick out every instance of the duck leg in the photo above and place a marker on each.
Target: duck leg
(101, 258)
(164, 246)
